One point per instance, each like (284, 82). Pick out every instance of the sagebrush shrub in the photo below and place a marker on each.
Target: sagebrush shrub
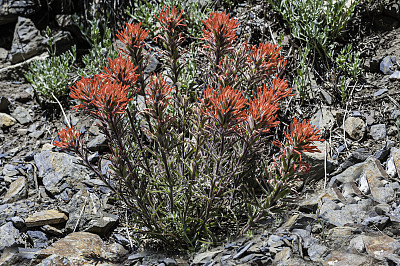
(193, 171)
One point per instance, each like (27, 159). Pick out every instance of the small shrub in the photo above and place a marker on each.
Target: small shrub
(52, 76)
(193, 171)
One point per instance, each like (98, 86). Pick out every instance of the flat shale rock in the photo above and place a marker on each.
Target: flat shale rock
(60, 171)
(81, 248)
(16, 191)
(8, 236)
(337, 258)
(45, 217)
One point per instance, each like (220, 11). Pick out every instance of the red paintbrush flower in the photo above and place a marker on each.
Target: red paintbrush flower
(133, 36)
(69, 138)
(219, 30)
(111, 98)
(158, 92)
(301, 135)
(122, 70)
(101, 97)
(262, 111)
(170, 19)
(225, 106)
(265, 57)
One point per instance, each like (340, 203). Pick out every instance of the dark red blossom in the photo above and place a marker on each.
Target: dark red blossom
(133, 35)
(219, 33)
(219, 30)
(101, 97)
(265, 57)
(170, 18)
(225, 105)
(301, 135)
(121, 70)
(158, 92)
(262, 111)
(69, 138)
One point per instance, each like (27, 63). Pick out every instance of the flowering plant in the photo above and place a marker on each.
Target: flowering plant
(191, 169)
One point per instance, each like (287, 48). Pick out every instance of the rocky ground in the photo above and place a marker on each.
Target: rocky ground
(54, 212)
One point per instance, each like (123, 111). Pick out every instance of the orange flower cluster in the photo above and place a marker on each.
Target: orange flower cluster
(228, 106)
(265, 57)
(69, 138)
(133, 36)
(219, 31)
(158, 92)
(225, 106)
(100, 97)
(301, 135)
(120, 70)
(170, 19)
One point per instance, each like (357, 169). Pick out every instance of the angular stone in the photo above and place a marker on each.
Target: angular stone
(375, 174)
(79, 249)
(378, 131)
(205, 257)
(317, 252)
(282, 257)
(387, 64)
(395, 76)
(102, 224)
(8, 236)
(395, 154)
(18, 256)
(38, 238)
(16, 191)
(317, 160)
(45, 217)
(323, 119)
(6, 120)
(381, 247)
(12, 9)
(60, 171)
(22, 115)
(27, 41)
(355, 128)
(338, 258)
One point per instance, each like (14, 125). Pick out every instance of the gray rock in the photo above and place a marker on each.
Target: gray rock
(75, 248)
(60, 171)
(381, 247)
(62, 42)
(120, 239)
(4, 104)
(38, 238)
(18, 256)
(282, 257)
(388, 64)
(327, 96)
(48, 229)
(338, 217)
(357, 156)
(45, 217)
(205, 257)
(328, 205)
(12, 9)
(380, 92)
(153, 65)
(348, 259)
(376, 222)
(17, 221)
(378, 131)
(395, 76)
(98, 143)
(16, 191)
(317, 252)
(8, 236)
(102, 224)
(323, 119)
(377, 178)
(27, 41)
(6, 120)
(10, 170)
(317, 160)
(16, 72)
(22, 115)
(242, 251)
(36, 134)
(355, 128)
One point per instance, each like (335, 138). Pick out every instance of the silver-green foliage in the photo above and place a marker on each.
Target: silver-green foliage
(316, 22)
(52, 76)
